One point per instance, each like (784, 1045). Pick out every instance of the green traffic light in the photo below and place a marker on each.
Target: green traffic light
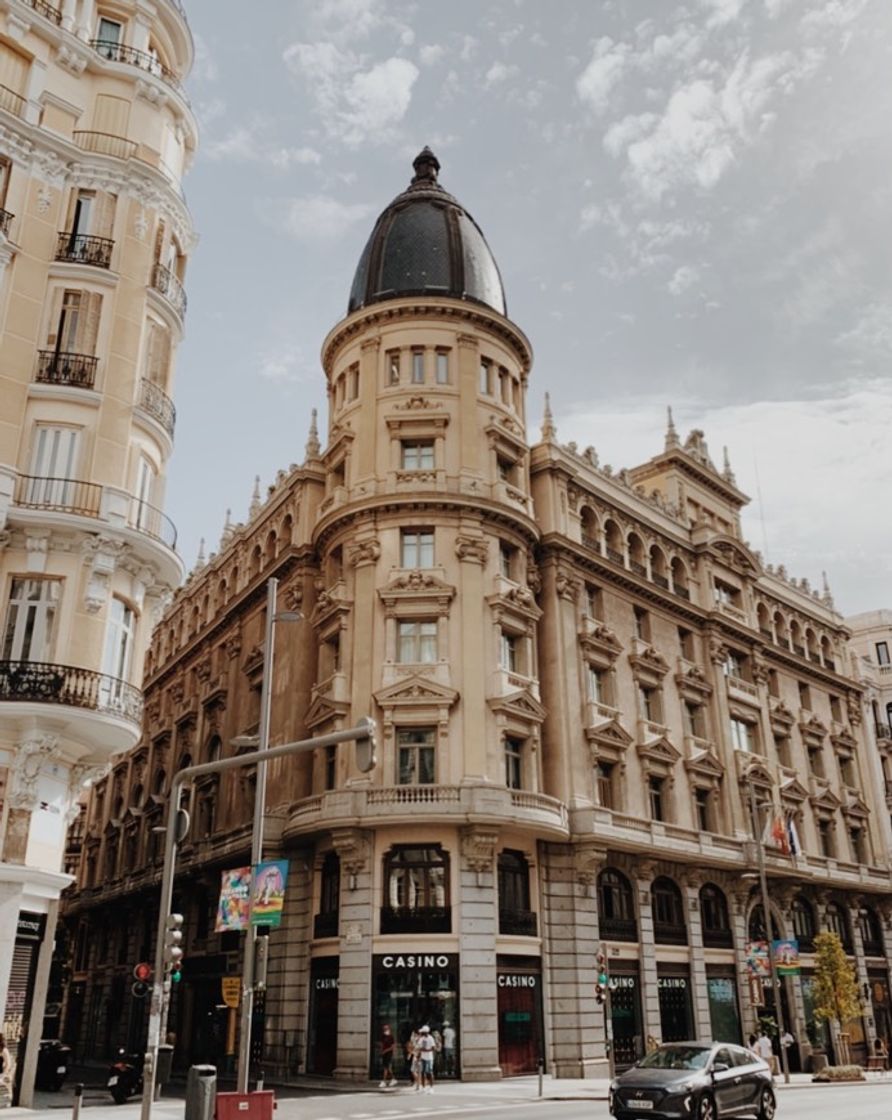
(602, 979)
(176, 976)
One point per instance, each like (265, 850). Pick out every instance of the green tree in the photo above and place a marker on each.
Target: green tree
(836, 996)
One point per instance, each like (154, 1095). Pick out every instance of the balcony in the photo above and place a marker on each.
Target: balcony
(618, 929)
(105, 144)
(165, 282)
(670, 934)
(83, 248)
(142, 60)
(519, 923)
(326, 925)
(12, 102)
(157, 404)
(5, 219)
(151, 521)
(421, 919)
(54, 15)
(42, 683)
(718, 938)
(58, 367)
(61, 495)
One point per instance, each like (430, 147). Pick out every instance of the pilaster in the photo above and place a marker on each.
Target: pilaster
(354, 847)
(691, 891)
(650, 990)
(478, 927)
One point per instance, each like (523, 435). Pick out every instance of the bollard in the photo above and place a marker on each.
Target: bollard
(541, 1072)
(258, 1087)
(78, 1095)
(201, 1092)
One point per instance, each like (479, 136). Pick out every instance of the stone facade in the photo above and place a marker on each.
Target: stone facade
(578, 675)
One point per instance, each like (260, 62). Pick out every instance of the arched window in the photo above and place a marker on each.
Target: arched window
(668, 912)
(871, 932)
(714, 917)
(680, 578)
(617, 907)
(613, 541)
(326, 921)
(658, 570)
(515, 916)
(796, 639)
(827, 653)
(836, 921)
(782, 634)
(764, 619)
(256, 560)
(756, 925)
(416, 890)
(589, 530)
(158, 782)
(636, 555)
(803, 918)
(215, 749)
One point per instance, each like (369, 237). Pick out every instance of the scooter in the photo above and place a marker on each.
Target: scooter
(125, 1076)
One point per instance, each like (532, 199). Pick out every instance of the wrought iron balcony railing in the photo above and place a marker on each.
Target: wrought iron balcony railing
(105, 143)
(11, 101)
(422, 919)
(118, 52)
(151, 521)
(326, 925)
(84, 248)
(60, 367)
(165, 282)
(666, 934)
(618, 929)
(521, 923)
(158, 405)
(62, 495)
(718, 938)
(54, 15)
(39, 682)
(5, 219)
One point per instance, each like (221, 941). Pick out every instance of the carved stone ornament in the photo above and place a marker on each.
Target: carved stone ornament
(588, 860)
(25, 770)
(141, 224)
(72, 58)
(534, 578)
(365, 552)
(177, 691)
(233, 645)
(417, 404)
(203, 668)
(478, 848)
(353, 849)
(77, 777)
(293, 597)
(853, 703)
(718, 651)
(567, 586)
(761, 670)
(474, 550)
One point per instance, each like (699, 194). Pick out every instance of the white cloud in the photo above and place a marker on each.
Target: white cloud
(431, 54)
(834, 14)
(722, 11)
(497, 73)
(624, 132)
(595, 84)
(683, 278)
(313, 217)
(870, 339)
(245, 145)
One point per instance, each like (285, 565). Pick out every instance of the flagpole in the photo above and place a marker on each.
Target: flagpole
(766, 915)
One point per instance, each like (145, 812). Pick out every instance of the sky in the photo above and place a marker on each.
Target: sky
(689, 204)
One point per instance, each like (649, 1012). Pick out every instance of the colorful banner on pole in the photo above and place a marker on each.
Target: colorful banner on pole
(235, 900)
(268, 898)
(786, 957)
(757, 961)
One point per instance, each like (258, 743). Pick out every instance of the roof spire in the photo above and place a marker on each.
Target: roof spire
(671, 434)
(313, 450)
(200, 560)
(227, 530)
(727, 473)
(426, 166)
(254, 507)
(827, 596)
(549, 431)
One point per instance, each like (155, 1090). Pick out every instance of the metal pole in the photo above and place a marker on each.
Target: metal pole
(78, 1097)
(266, 692)
(766, 913)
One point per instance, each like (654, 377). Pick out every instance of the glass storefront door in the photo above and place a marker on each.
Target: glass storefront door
(676, 1013)
(413, 990)
(322, 1037)
(519, 989)
(625, 1006)
(724, 1011)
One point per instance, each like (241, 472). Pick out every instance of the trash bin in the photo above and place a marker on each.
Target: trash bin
(165, 1064)
(201, 1092)
(258, 1105)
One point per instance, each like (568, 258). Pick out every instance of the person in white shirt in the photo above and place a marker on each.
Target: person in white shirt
(764, 1049)
(426, 1049)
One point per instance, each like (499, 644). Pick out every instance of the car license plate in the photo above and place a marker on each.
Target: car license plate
(112, 1081)
(643, 1104)
(61, 1069)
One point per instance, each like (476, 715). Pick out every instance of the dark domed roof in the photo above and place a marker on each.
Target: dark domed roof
(426, 243)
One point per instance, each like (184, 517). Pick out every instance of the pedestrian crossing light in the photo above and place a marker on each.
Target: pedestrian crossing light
(173, 953)
(603, 980)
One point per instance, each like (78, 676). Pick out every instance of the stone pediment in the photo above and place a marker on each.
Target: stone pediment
(323, 710)
(753, 770)
(693, 682)
(827, 800)
(520, 704)
(515, 600)
(416, 584)
(781, 717)
(705, 763)
(855, 807)
(601, 641)
(649, 663)
(793, 790)
(659, 750)
(734, 554)
(843, 740)
(813, 731)
(609, 734)
(416, 691)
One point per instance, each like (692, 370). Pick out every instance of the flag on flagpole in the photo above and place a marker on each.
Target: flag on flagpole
(775, 834)
(793, 836)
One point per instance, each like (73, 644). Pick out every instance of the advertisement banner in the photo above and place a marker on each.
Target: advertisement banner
(757, 962)
(268, 899)
(786, 957)
(235, 894)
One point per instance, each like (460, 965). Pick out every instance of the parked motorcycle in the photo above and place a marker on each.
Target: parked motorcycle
(125, 1076)
(53, 1060)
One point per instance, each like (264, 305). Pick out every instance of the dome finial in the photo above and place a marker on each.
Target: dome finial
(671, 433)
(426, 166)
(313, 450)
(549, 431)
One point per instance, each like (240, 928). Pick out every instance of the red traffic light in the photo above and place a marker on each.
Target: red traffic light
(142, 971)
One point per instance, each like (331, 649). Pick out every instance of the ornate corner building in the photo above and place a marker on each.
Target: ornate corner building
(579, 675)
(95, 133)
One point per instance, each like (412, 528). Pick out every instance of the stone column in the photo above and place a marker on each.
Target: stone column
(699, 992)
(575, 1021)
(739, 901)
(650, 993)
(354, 848)
(288, 970)
(854, 906)
(736, 807)
(28, 1059)
(477, 931)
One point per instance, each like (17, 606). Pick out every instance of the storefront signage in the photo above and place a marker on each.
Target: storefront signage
(30, 926)
(515, 980)
(786, 957)
(617, 982)
(672, 982)
(326, 983)
(418, 960)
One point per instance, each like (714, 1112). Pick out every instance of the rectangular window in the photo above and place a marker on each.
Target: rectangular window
(650, 703)
(514, 764)
(804, 696)
(507, 560)
(331, 762)
(5, 168)
(735, 665)
(28, 633)
(604, 784)
(418, 455)
(485, 377)
(642, 624)
(417, 367)
(69, 320)
(847, 771)
(393, 367)
(726, 594)
(442, 367)
(825, 837)
(835, 709)
(415, 756)
(417, 548)
(55, 452)
(686, 642)
(108, 31)
(656, 788)
(693, 719)
(508, 651)
(702, 810)
(119, 640)
(743, 735)
(597, 685)
(353, 383)
(816, 761)
(784, 752)
(145, 485)
(417, 642)
(507, 469)
(882, 653)
(594, 601)
(773, 683)
(505, 385)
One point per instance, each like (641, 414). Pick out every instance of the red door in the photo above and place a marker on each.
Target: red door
(520, 1045)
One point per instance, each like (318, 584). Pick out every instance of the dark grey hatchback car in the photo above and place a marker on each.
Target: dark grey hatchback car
(695, 1081)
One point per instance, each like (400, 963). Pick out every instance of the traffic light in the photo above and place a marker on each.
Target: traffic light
(603, 980)
(173, 953)
(367, 747)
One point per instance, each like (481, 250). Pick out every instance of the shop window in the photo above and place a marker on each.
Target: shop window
(604, 784)
(514, 763)
(616, 905)
(416, 890)
(442, 364)
(714, 918)
(515, 915)
(325, 923)
(744, 736)
(417, 548)
(668, 913)
(415, 749)
(836, 921)
(417, 454)
(656, 793)
(803, 918)
(417, 642)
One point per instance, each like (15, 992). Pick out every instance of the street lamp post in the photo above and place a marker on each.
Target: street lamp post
(766, 914)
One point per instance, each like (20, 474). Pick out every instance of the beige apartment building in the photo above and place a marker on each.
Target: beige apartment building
(872, 645)
(95, 133)
(579, 674)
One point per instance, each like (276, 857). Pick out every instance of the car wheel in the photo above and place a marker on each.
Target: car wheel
(706, 1109)
(767, 1105)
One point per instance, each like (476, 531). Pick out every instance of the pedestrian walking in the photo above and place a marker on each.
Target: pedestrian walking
(427, 1047)
(388, 1045)
(449, 1048)
(766, 1051)
(413, 1057)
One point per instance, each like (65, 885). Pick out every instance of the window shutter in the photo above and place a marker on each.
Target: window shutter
(159, 241)
(158, 357)
(104, 214)
(52, 331)
(111, 115)
(88, 325)
(13, 69)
